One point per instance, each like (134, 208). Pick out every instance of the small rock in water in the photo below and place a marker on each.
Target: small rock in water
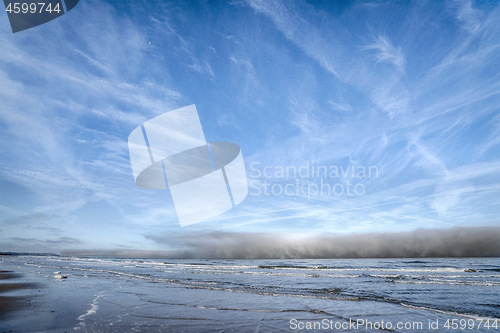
(60, 277)
(470, 270)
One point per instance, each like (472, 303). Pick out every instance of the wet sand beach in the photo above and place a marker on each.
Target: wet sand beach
(10, 304)
(36, 302)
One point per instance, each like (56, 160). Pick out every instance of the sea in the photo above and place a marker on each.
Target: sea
(72, 294)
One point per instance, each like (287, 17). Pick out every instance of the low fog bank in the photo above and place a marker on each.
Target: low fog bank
(421, 243)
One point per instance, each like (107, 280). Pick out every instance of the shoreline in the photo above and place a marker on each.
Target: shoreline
(193, 295)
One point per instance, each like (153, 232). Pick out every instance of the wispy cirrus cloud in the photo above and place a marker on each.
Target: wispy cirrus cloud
(300, 31)
(386, 52)
(469, 16)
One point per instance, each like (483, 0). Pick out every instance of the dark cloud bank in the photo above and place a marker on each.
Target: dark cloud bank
(455, 242)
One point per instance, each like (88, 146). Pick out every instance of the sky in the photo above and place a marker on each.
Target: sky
(353, 118)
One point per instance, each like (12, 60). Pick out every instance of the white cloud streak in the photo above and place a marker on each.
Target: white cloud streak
(386, 52)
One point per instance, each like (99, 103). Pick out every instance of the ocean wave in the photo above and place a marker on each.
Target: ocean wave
(451, 313)
(291, 267)
(453, 282)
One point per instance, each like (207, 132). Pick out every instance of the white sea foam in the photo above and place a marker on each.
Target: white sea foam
(93, 309)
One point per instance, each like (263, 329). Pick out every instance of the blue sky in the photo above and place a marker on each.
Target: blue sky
(411, 88)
